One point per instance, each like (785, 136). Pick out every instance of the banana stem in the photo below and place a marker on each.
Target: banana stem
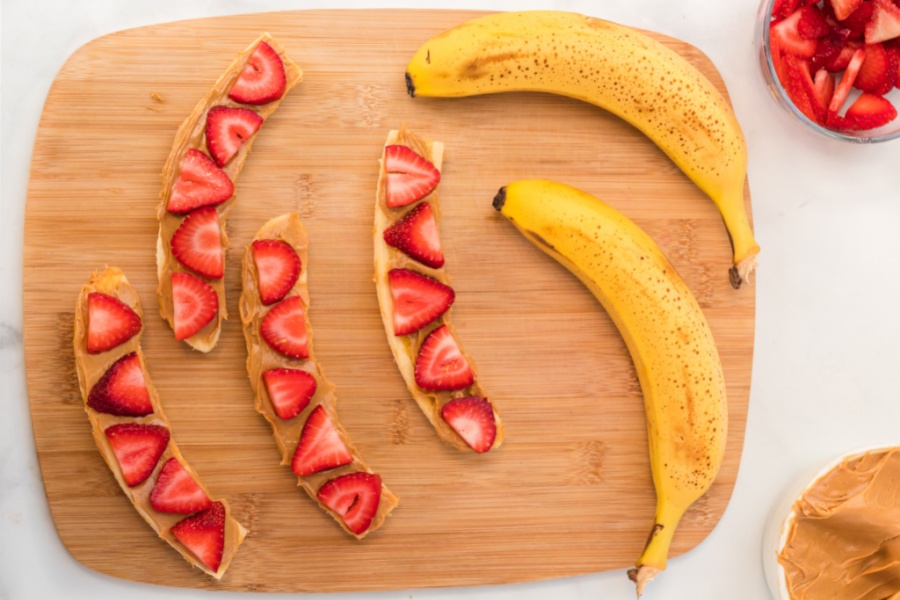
(652, 560)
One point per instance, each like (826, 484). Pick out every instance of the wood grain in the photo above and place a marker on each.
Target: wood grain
(568, 493)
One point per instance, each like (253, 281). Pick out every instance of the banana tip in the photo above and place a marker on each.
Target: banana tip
(410, 86)
(500, 199)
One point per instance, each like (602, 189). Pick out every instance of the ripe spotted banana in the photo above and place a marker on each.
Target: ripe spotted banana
(664, 329)
(611, 66)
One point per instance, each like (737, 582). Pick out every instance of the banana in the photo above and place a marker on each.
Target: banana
(664, 329)
(611, 66)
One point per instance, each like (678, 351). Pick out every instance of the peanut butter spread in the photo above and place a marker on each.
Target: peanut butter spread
(261, 357)
(192, 134)
(406, 348)
(844, 543)
(90, 368)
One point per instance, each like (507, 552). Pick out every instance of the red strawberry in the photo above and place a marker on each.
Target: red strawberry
(823, 89)
(321, 447)
(284, 328)
(812, 23)
(197, 243)
(227, 129)
(416, 235)
(200, 183)
(122, 391)
(855, 24)
(262, 79)
(842, 90)
(137, 448)
(289, 390)
(410, 176)
(786, 37)
(843, 8)
(885, 22)
(418, 300)
(783, 8)
(877, 73)
(354, 497)
(828, 49)
(175, 491)
(868, 112)
(195, 304)
(204, 535)
(441, 364)
(798, 85)
(277, 268)
(110, 322)
(473, 419)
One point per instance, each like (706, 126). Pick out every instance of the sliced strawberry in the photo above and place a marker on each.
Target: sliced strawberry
(353, 497)
(197, 243)
(227, 128)
(823, 90)
(410, 176)
(277, 268)
(204, 535)
(110, 322)
(885, 22)
(876, 74)
(418, 300)
(289, 390)
(195, 304)
(416, 235)
(783, 8)
(855, 24)
(122, 391)
(812, 23)
(263, 78)
(321, 447)
(175, 491)
(473, 419)
(284, 328)
(441, 364)
(828, 48)
(843, 8)
(200, 183)
(798, 85)
(842, 60)
(868, 112)
(842, 90)
(784, 35)
(137, 448)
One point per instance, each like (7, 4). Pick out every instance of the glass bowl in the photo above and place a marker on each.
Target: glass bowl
(761, 42)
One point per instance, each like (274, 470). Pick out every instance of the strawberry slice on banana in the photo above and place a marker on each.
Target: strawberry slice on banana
(197, 243)
(227, 128)
(122, 391)
(176, 491)
(416, 235)
(137, 448)
(111, 323)
(321, 447)
(409, 175)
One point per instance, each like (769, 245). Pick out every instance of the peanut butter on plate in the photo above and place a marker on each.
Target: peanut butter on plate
(844, 539)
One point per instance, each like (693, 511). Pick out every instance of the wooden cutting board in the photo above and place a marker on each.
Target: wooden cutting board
(570, 490)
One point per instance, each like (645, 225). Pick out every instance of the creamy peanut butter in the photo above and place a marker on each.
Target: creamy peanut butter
(192, 134)
(90, 368)
(261, 357)
(844, 542)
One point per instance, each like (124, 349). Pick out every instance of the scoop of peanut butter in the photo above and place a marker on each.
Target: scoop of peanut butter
(844, 542)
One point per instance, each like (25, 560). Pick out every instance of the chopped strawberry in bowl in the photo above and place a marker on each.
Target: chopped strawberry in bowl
(834, 65)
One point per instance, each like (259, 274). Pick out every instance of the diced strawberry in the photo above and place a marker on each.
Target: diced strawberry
(843, 8)
(441, 365)
(137, 448)
(828, 48)
(855, 24)
(410, 176)
(204, 535)
(227, 128)
(812, 23)
(798, 85)
(321, 447)
(877, 72)
(200, 183)
(175, 491)
(263, 78)
(842, 90)
(197, 243)
(277, 269)
(473, 419)
(195, 304)
(784, 35)
(122, 390)
(885, 22)
(868, 112)
(284, 328)
(111, 322)
(289, 390)
(418, 300)
(783, 8)
(823, 89)
(416, 235)
(353, 497)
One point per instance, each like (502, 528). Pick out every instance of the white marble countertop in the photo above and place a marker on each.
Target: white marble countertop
(825, 213)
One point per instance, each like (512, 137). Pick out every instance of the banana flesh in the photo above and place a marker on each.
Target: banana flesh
(611, 66)
(664, 329)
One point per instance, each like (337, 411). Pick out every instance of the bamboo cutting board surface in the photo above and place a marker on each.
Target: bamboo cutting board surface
(568, 493)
